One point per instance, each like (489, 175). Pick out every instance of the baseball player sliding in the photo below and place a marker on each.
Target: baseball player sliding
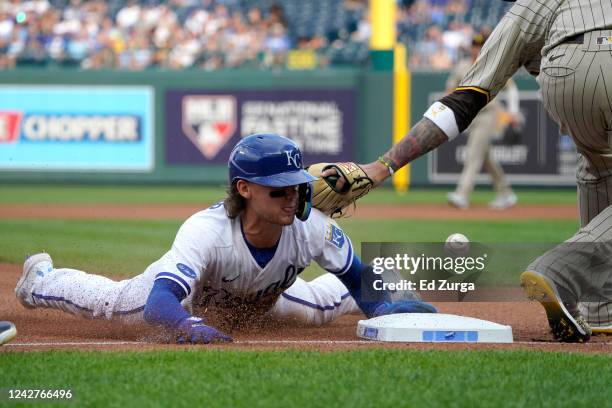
(567, 44)
(241, 256)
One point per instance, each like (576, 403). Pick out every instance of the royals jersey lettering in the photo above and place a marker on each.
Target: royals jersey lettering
(211, 261)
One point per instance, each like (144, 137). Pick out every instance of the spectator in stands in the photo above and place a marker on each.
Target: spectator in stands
(457, 7)
(276, 46)
(212, 57)
(242, 44)
(457, 39)
(255, 20)
(129, 15)
(7, 25)
(276, 16)
(440, 60)
(33, 52)
(6, 35)
(364, 30)
(79, 46)
(136, 34)
(431, 53)
(417, 18)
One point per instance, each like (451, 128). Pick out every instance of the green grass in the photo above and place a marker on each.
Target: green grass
(110, 247)
(437, 195)
(75, 194)
(408, 230)
(126, 247)
(197, 377)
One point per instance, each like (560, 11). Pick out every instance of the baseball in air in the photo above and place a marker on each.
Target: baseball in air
(457, 244)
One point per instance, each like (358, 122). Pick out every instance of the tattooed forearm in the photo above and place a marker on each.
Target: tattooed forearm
(422, 138)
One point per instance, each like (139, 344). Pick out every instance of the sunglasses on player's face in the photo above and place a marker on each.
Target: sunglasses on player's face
(283, 192)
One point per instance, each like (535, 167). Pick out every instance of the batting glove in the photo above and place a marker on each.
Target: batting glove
(403, 306)
(193, 330)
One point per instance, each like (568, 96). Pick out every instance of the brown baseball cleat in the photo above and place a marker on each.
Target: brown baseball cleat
(566, 323)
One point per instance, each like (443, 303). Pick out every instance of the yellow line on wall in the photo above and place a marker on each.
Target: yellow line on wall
(401, 111)
(382, 18)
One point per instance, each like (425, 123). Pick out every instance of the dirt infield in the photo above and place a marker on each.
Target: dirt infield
(51, 329)
(46, 329)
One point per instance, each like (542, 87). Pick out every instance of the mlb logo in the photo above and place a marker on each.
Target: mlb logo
(10, 123)
(209, 121)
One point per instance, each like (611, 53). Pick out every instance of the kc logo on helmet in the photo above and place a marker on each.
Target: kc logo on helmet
(209, 121)
(294, 160)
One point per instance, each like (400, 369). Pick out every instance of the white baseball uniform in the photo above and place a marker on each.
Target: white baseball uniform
(211, 261)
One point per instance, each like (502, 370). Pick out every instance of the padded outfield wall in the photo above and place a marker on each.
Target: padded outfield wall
(178, 127)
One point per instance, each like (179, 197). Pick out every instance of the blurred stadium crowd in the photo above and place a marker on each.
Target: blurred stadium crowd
(213, 34)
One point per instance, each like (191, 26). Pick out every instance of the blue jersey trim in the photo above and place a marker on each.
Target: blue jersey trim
(348, 264)
(138, 309)
(314, 305)
(349, 259)
(164, 304)
(262, 256)
(176, 278)
(60, 299)
(64, 300)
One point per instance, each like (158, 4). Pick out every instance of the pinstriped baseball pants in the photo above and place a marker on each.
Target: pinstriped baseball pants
(576, 85)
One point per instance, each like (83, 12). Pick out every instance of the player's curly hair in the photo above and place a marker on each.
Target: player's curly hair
(234, 203)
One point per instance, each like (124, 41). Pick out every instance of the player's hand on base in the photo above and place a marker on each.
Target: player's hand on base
(193, 330)
(403, 306)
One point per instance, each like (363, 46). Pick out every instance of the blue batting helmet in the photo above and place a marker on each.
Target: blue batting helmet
(268, 160)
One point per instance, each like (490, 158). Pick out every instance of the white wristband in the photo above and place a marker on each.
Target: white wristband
(444, 118)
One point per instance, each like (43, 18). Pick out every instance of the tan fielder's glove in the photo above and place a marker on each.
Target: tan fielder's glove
(331, 200)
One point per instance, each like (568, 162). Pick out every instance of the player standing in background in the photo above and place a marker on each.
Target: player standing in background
(238, 259)
(567, 44)
(481, 133)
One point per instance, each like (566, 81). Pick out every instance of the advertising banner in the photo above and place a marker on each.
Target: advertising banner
(202, 127)
(72, 128)
(538, 155)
